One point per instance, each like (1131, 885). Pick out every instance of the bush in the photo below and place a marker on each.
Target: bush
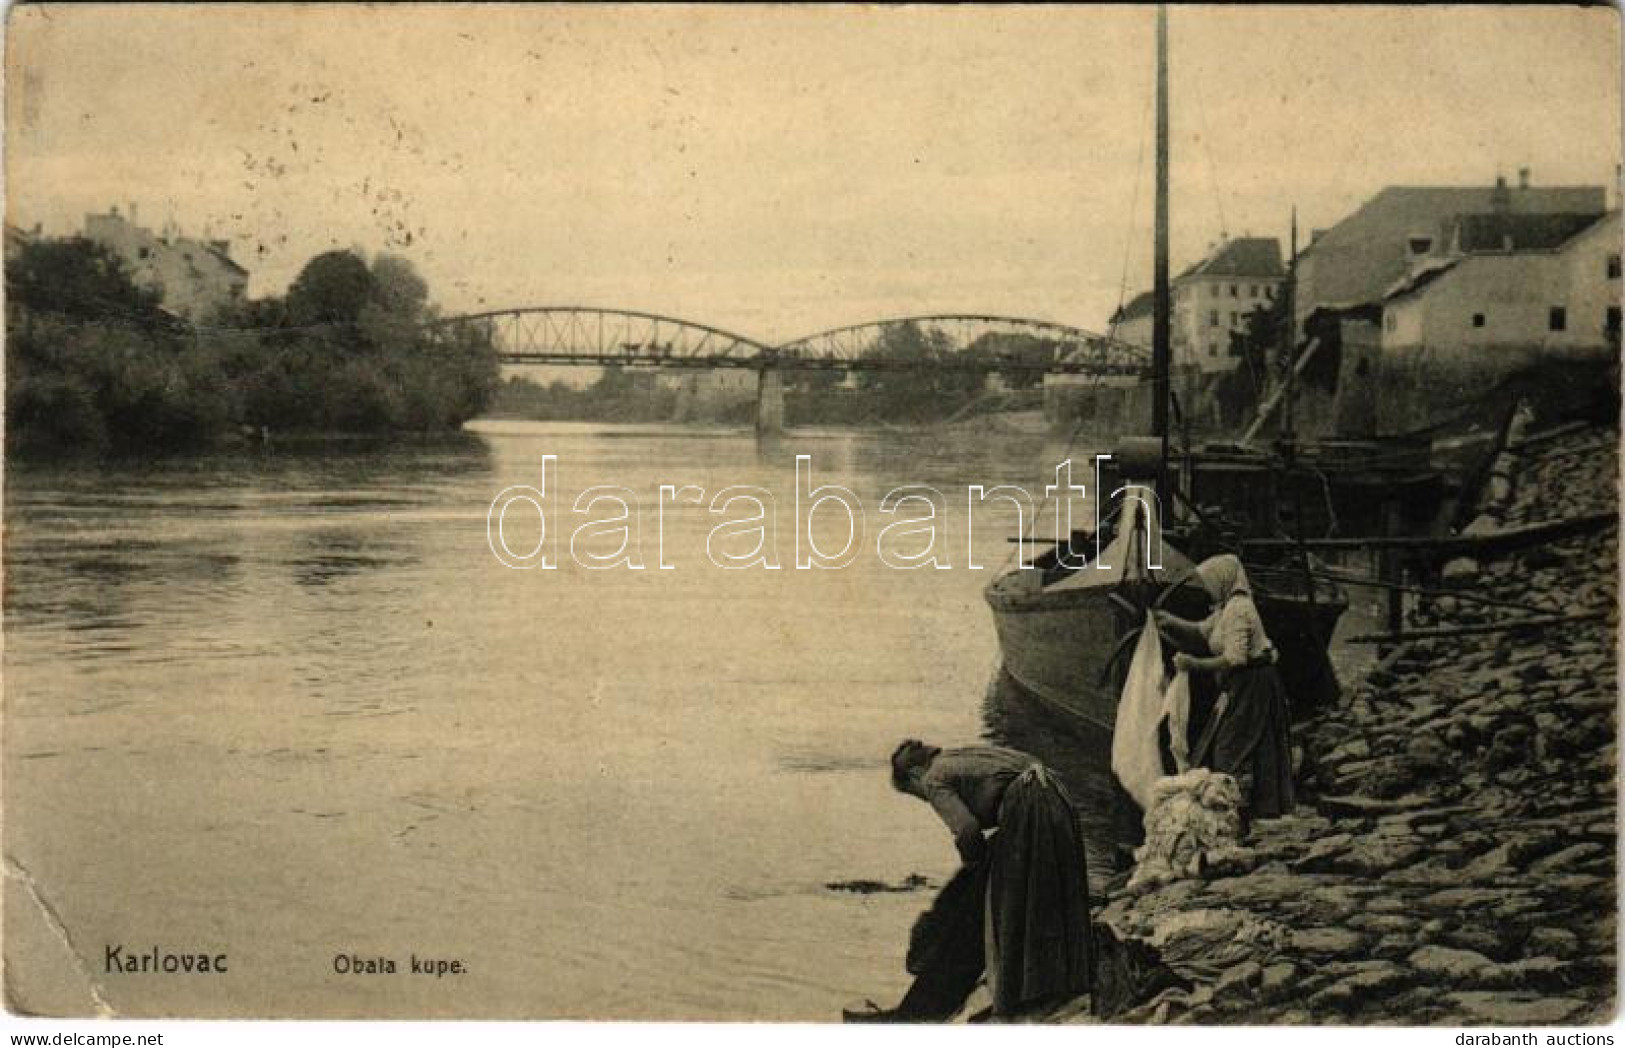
(92, 365)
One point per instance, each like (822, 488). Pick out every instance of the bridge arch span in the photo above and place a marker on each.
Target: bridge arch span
(1059, 347)
(605, 335)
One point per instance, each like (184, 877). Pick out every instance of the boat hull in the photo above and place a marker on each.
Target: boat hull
(1060, 646)
(1057, 645)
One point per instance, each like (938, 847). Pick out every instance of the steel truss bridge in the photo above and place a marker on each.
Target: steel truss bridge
(593, 336)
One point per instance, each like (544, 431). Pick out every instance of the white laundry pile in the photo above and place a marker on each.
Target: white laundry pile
(1192, 830)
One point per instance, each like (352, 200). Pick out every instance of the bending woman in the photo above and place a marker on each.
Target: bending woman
(1036, 940)
(1247, 734)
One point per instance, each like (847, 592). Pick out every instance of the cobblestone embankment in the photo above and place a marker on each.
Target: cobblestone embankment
(1452, 858)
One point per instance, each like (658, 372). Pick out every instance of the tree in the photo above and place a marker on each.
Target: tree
(924, 389)
(333, 288)
(1029, 353)
(394, 313)
(397, 288)
(79, 278)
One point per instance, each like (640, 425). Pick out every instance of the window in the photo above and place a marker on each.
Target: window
(1478, 320)
(1235, 318)
(1252, 292)
(1613, 267)
(1213, 318)
(1558, 319)
(1269, 291)
(1611, 325)
(145, 252)
(1233, 291)
(1388, 320)
(1212, 349)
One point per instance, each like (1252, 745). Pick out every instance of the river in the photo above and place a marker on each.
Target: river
(288, 705)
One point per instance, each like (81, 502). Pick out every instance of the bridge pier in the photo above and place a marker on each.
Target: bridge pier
(769, 402)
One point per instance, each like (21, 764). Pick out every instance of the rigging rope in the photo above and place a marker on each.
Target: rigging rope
(1133, 209)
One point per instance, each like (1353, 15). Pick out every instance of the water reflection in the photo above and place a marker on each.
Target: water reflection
(328, 555)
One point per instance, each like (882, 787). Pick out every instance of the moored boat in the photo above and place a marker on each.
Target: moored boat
(1063, 630)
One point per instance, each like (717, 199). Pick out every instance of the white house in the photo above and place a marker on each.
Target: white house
(195, 278)
(1214, 298)
(1545, 286)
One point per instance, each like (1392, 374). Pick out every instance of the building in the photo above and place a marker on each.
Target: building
(1214, 298)
(1358, 260)
(1132, 323)
(195, 278)
(1541, 283)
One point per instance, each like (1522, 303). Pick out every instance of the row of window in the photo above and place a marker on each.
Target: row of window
(1253, 290)
(1557, 319)
(1266, 291)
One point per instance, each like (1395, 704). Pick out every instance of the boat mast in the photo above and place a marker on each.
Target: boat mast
(1290, 351)
(1160, 333)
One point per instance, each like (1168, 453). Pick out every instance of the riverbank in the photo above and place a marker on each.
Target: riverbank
(1452, 858)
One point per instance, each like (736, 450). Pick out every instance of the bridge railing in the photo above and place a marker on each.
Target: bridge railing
(587, 335)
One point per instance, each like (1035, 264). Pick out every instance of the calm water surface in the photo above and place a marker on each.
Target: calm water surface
(289, 705)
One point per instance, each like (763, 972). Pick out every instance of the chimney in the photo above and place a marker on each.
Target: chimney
(1500, 198)
(1523, 178)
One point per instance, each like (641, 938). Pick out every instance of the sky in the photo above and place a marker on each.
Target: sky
(780, 171)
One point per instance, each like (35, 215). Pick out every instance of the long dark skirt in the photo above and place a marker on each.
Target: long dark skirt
(1038, 946)
(945, 950)
(1252, 741)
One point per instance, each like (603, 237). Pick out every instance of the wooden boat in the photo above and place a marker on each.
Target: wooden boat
(1064, 631)
(1061, 627)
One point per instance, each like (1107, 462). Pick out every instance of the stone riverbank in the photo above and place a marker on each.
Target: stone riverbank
(1452, 858)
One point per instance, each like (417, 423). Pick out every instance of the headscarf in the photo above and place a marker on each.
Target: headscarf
(911, 753)
(1223, 577)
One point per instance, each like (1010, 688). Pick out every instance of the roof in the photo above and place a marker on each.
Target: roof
(1605, 223)
(226, 259)
(1140, 305)
(1242, 257)
(1423, 276)
(1506, 231)
(1549, 244)
(1359, 258)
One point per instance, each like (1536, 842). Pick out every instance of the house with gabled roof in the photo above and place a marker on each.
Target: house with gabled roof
(1213, 299)
(1132, 322)
(195, 278)
(1357, 261)
(1550, 286)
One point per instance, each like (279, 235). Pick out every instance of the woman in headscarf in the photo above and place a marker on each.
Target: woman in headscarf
(1247, 734)
(1035, 936)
